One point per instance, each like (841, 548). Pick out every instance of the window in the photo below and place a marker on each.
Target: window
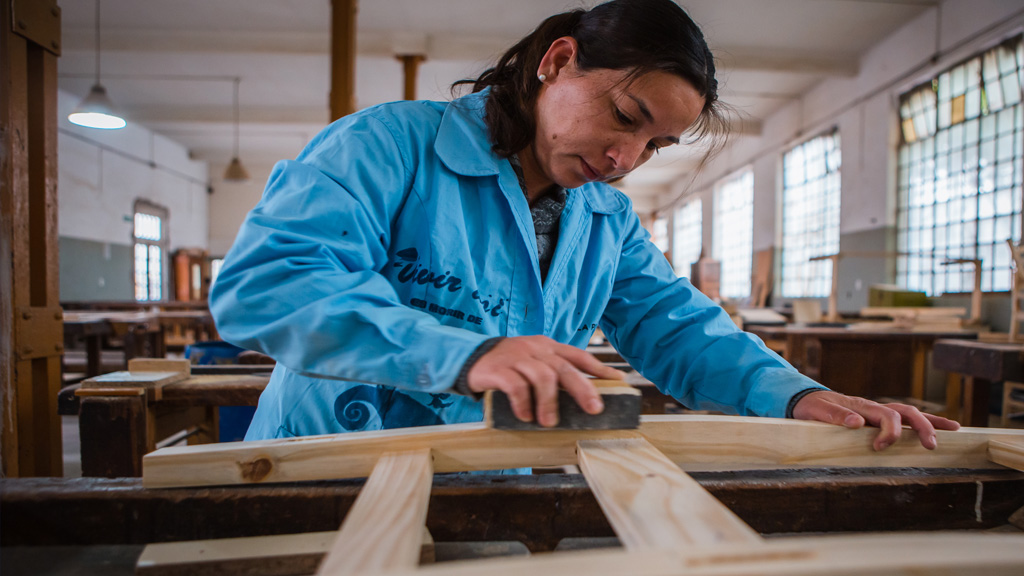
(733, 232)
(810, 215)
(959, 173)
(686, 236)
(659, 233)
(149, 232)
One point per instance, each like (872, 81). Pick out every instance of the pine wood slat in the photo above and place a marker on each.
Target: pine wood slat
(651, 503)
(255, 556)
(384, 529)
(1009, 453)
(696, 442)
(949, 554)
(277, 555)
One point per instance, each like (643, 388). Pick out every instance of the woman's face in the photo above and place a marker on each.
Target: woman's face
(599, 125)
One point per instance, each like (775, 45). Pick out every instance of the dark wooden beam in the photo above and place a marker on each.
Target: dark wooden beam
(538, 510)
(410, 68)
(31, 333)
(343, 57)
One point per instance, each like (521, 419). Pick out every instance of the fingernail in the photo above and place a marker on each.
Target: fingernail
(851, 420)
(883, 446)
(935, 441)
(596, 406)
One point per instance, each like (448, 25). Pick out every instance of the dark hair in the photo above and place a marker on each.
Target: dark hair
(636, 35)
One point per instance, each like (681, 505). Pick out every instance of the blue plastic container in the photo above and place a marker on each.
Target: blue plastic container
(213, 352)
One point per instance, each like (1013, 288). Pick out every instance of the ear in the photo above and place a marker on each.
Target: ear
(560, 57)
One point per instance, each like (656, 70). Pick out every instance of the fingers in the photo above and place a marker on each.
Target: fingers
(587, 363)
(853, 412)
(518, 391)
(531, 369)
(543, 379)
(941, 423)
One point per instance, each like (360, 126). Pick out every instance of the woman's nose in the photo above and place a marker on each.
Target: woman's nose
(627, 154)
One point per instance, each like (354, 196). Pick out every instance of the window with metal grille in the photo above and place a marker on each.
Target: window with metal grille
(960, 173)
(686, 236)
(733, 232)
(149, 231)
(810, 215)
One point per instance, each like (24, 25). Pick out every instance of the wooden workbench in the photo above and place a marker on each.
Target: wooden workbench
(861, 362)
(974, 367)
(540, 511)
(119, 426)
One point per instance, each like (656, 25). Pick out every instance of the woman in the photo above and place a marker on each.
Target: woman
(417, 254)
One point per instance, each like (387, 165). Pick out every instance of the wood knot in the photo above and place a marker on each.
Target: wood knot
(256, 470)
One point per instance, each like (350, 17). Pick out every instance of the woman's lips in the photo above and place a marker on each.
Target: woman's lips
(589, 172)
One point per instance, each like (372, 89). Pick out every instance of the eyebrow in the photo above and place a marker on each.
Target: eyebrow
(647, 114)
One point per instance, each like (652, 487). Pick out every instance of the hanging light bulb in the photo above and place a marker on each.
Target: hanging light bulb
(235, 172)
(96, 110)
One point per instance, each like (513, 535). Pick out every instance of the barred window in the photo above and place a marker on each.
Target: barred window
(733, 232)
(686, 236)
(810, 215)
(960, 173)
(150, 245)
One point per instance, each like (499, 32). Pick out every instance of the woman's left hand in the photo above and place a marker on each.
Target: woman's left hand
(853, 412)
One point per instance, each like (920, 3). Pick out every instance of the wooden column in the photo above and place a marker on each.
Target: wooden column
(343, 57)
(410, 67)
(31, 334)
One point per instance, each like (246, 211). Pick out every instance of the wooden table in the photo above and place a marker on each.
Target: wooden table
(861, 362)
(90, 331)
(141, 333)
(87, 517)
(974, 367)
(119, 426)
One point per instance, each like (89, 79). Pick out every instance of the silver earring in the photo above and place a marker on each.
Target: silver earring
(542, 78)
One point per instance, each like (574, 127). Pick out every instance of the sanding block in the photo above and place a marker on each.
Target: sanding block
(622, 406)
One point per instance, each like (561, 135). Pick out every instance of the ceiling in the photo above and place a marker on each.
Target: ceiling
(170, 66)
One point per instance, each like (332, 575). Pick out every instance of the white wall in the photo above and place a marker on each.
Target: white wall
(231, 201)
(103, 172)
(864, 109)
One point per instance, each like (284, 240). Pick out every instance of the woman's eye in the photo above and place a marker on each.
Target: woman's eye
(653, 147)
(626, 120)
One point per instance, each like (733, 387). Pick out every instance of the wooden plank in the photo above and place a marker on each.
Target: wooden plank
(134, 379)
(696, 442)
(278, 555)
(1009, 453)
(160, 365)
(651, 503)
(384, 529)
(77, 511)
(256, 556)
(931, 553)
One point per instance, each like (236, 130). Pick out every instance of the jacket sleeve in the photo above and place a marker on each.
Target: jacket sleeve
(686, 344)
(301, 282)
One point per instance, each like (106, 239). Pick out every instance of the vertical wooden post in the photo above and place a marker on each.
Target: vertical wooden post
(31, 335)
(410, 67)
(343, 57)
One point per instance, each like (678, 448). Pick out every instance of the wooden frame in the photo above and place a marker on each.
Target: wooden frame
(667, 523)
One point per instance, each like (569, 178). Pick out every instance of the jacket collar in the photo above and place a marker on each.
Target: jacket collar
(464, 145)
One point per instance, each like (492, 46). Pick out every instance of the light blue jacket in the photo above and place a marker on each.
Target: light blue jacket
(397, 242)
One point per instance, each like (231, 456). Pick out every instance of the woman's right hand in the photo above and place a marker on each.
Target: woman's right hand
(525, 367)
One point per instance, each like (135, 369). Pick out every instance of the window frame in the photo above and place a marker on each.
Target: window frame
(146, 207)
(958, 190)
(815, 277)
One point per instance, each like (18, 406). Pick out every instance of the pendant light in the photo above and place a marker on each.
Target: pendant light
(96, 110)
(235, 172)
